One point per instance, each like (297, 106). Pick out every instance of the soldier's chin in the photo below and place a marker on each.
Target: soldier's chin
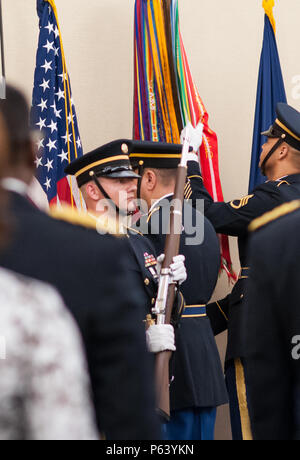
(132, 205)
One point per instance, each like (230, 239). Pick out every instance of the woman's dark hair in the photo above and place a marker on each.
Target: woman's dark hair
(15, 111)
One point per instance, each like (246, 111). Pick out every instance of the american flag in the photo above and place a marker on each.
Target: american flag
(53, 112)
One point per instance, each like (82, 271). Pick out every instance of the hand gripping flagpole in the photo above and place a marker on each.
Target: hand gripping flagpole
(166, 291)
(3, 81)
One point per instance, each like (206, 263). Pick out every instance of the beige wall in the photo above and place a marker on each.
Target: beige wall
(223, 40)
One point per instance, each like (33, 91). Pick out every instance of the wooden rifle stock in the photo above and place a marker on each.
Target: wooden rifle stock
(171, 250)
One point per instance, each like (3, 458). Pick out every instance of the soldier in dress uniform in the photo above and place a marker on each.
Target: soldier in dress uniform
(280, 163)
(108, 185)
(198, 386)
(271, 324)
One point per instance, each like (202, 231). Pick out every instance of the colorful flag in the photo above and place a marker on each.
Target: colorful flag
(165, 95)
(53, 112)
(270, 91)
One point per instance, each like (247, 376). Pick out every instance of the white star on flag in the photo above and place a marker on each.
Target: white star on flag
(38, 161)
(62, 76)
(60, 94)
(47, 184)
(64, 156)
(66, 138)
(40, 144)
(51, 145)
(78, 142)
(49, 46)
(70, 118)
(47, 66)
(52, 126)
(49, 164)
(45, 84)
(50, 27)
(57, 112)
(43, 104)
(41, 124)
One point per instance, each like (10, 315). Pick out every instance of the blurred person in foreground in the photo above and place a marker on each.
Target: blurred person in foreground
(44, 388)
(88, 269)
(271, 326)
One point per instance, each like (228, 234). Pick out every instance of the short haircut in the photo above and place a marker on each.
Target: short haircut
(165, 176)
(295, 157)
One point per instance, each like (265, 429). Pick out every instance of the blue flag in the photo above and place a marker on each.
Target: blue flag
(53, 111)
(270, 91)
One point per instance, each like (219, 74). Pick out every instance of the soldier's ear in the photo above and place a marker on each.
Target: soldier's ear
(283, 152)
(92, 191)
(150, 180)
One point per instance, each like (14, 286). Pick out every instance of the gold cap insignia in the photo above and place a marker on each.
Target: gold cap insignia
(124, 148)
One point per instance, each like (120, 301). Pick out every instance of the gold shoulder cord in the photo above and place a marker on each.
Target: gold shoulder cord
(283, 182)
(72, 216)
(271, 216)
(151, 214)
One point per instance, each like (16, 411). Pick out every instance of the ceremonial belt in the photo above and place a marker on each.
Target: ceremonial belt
(244, 273)
(194, 311)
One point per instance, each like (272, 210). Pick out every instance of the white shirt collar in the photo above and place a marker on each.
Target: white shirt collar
(281, 178)
(15, 185)
(160, 199)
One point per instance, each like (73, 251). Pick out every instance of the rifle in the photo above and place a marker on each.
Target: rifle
(166, 291)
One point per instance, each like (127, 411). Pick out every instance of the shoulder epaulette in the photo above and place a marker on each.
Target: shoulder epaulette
(273, 215)
(72, 216)
(83, 219)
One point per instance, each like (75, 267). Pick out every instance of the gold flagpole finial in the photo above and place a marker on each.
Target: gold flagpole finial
(268, 6)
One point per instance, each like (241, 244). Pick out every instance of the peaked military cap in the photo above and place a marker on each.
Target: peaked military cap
(286, 126)
(155, 154)
(111, 161)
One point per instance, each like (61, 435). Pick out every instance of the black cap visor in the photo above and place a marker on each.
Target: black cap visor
(118, 172)
(272, 133)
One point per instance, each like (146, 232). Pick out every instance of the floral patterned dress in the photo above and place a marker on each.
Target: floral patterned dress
(44, 387)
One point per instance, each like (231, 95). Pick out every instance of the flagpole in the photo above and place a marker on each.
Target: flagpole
(2, 91)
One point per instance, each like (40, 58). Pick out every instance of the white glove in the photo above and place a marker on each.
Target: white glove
(178, 270)
(196, 138)
(160, 338)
